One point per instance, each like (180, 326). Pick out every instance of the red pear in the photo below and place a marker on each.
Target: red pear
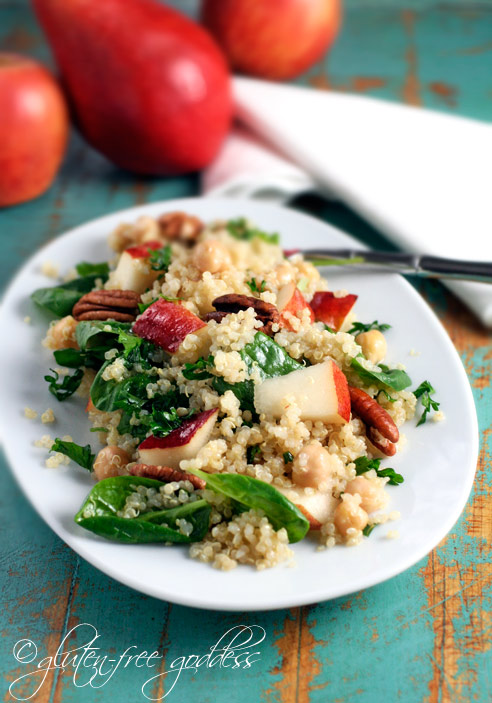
(149, 88)
(33, 129)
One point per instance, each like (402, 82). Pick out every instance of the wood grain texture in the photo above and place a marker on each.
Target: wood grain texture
(423, 636)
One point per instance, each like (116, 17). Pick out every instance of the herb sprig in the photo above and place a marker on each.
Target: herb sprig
(364, 464)
(424, 392)
(241, 229)
(359, 327)
(253, 286)
(67, 387)
(160, 259)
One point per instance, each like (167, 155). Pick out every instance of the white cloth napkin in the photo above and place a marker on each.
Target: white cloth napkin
(422, 178)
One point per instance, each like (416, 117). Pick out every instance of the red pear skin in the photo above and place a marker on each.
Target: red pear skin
(331, 310)
(33, 129)
(275, 39)
(180, 436)
(142, 251)
(167, 324)
(149, 88)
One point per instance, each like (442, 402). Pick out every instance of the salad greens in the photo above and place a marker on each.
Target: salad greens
(87, 269)
(65, 388)
(265, 355)
(359, 327)
(288, 458)
(424, 392)
(160, 259)
(250, 493)
(363, 464)
(60, 299)
(241, 229)
(393, 378)
(82, 456)
(253, 286)
(109, 496)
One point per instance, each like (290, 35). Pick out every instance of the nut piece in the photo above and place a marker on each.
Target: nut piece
(233, 302)
(166, 474)
(119, 305)
(381, 430)
(180, 226)
(384, 445)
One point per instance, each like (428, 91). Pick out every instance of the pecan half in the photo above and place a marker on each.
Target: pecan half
(375, 418)
(180, 226)
(233, 302)
(166, 474)
(384, 445)
(119, 305)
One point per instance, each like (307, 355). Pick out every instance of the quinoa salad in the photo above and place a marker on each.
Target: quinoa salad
(237, 404)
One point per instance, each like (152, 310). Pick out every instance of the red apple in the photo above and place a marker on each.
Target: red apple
(133, 271)
(149, 88)
(331, 310)
(290, 301)
(167, 324)
(320, 391)
(276, 39)
(183, 443)
(33, 129)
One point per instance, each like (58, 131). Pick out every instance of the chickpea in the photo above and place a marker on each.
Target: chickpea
(211, 255)
(348, 513)
(373, 345)
(372, 496)
(109, 461)
(284, 273)
(312, 466)
(61, 335)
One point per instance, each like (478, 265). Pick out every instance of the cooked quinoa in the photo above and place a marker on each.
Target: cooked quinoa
(279, 450)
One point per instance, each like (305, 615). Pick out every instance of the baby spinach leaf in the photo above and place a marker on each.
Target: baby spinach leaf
(393, 378)
(60, 299)
(82, 456)
(104, 394)
(241, 229)
(198, 370)
(67, 387)
(109, 496)
(72, 358)
(424, 392)
(265, 355)
(363, 464)
(97, 333)
(252, 493)
(85, 268)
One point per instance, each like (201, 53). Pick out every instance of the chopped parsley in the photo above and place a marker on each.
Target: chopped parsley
(424, 392)
(253, 286)
(241, 229)
(368, 529)
(359, 327)
(160, 259)
(288, 458)
(65, 388)
(252, 452)
(364, 464)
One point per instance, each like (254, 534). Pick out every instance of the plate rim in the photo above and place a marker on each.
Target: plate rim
(313, 595)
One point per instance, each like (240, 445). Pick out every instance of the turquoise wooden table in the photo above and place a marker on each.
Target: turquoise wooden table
(422, 636)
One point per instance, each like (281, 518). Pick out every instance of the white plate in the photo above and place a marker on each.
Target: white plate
(438, 463)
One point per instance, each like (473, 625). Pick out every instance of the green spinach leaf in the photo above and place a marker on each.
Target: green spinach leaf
(99, 514)
(67, 387)
(252, 493)
(359, 327)
(60, 299)
(85, 268)
(82, 456)
(393, 378)
(160, 259)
